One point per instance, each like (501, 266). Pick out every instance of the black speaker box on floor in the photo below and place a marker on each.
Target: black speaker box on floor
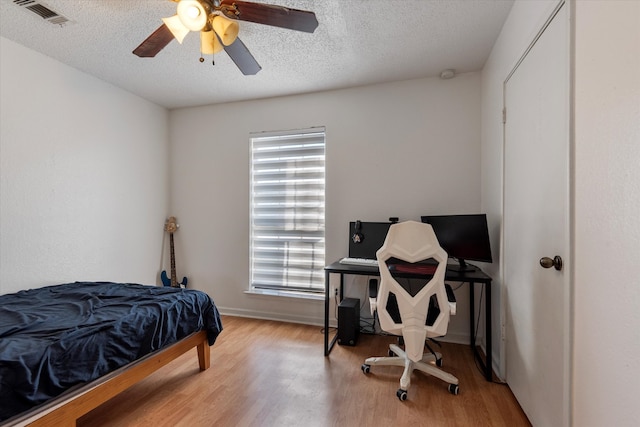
(348, 321)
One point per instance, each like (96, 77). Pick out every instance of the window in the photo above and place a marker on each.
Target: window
(287, 210)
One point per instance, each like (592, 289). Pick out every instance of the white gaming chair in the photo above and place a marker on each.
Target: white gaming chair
(412, 242)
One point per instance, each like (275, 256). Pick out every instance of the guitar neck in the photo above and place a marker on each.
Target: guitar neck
(174, 279)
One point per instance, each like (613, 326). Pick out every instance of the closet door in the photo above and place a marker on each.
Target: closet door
(537, 226)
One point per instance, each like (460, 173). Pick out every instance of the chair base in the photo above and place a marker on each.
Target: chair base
(409, 366)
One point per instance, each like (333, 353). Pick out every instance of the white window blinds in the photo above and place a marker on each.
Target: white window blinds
(287, 210)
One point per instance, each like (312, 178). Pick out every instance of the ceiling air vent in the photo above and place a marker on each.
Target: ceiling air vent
(42, 11)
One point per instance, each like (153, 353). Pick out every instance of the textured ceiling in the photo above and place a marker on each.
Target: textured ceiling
(357, 42)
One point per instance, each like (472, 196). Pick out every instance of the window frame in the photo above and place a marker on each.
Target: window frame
(287, 212)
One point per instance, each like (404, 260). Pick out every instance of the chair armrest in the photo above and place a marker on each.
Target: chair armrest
(373, 295)
(451, 297)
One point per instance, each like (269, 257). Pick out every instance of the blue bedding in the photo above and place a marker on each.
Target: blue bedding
(58, 337)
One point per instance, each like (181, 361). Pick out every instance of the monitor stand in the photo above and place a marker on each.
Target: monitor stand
(461, 266)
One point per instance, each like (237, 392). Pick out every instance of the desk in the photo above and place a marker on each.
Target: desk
(472, 278)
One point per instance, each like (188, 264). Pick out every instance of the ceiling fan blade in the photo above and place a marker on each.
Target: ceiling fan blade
(268, 14)
(243, 58)
(154, 43)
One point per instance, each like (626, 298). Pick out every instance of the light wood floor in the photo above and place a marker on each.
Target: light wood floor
(267, 373)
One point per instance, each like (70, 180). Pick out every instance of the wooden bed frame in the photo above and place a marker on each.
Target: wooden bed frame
(65, 410)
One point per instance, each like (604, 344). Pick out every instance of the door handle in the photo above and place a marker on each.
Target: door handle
(556, 262)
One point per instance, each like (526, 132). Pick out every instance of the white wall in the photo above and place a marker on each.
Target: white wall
(606, 370)
(83, 176)
(400, 149)
(524, 21)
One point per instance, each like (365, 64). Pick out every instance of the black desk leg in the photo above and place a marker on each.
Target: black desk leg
(488, 369)
(326, 313)
(329, 345)
(487, 362)
(472, 317)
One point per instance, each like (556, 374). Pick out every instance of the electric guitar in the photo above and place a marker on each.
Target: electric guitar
(170, 226)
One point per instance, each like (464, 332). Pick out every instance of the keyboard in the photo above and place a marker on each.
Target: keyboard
(359, 261)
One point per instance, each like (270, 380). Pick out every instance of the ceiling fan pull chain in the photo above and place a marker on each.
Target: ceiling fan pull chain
(213, 61)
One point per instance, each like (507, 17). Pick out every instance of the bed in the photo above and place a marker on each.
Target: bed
(66, 349)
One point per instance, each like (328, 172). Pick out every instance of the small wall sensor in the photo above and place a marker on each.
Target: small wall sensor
(448, 74)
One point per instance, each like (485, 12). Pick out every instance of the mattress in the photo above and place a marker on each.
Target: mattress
(55, 338)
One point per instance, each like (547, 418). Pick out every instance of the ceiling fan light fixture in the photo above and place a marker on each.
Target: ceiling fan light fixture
(176, 27)
(226, 29)
(209, 43)
(192, 14)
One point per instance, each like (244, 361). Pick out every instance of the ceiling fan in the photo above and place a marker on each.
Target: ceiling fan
(216, 20)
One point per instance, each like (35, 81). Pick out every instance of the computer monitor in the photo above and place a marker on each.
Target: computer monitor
(370, 238)
(463, 237)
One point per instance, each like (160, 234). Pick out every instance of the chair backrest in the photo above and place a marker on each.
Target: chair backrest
(413, 242)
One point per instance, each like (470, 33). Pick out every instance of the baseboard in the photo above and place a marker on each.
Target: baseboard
(454, 338)
(264, 315)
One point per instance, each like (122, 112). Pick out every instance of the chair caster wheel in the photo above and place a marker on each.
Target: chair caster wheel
(402, 394)
(439, 363)
(390, 353)
(365, 368)
(454, 389)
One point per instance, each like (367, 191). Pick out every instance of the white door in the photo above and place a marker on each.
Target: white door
(537, 225)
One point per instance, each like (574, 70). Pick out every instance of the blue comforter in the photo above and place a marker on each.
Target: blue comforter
(57, 337)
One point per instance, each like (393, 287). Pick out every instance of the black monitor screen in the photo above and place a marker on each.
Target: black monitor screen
(465, 237)
(371, 238)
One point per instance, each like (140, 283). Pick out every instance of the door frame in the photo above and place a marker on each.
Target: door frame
(570, 188)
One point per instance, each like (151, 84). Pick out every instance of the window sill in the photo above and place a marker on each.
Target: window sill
(287, 294)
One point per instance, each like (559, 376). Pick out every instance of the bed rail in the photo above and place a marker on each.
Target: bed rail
(72, 406)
